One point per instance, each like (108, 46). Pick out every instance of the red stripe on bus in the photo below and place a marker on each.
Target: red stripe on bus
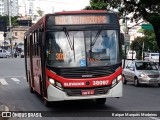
(84, 82)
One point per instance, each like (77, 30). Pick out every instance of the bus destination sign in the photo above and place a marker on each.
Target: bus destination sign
(92, 19)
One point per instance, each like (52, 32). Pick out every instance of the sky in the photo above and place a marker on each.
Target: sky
(50, 6)
(60, 5)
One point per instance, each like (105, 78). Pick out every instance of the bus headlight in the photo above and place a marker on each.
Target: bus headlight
(52, 81)
(116, 81)
(59, 85)
(55, 83)
(119, 78)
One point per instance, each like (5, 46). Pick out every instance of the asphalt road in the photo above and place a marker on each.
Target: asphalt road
(14, 93)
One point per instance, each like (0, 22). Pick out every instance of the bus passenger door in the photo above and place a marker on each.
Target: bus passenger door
(30, 64)
(37, 71)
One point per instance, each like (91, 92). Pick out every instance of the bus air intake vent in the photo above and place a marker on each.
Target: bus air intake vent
(90, 72)
(78, 92)
(85, 72)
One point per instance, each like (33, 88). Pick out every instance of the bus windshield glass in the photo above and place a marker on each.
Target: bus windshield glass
(82, 48)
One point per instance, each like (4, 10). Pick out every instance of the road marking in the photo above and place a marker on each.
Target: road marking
(12, 76)
(3, 81)
(4, 108)
(16, 80)
(154, 118)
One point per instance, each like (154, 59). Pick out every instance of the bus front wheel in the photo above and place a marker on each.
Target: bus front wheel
(47, 103)
(100, 101)
(31, 89)
(30, 86)
(124, 80)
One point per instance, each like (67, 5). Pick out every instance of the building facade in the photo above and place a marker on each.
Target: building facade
(34, 9)
(10, 7)
(2, 7)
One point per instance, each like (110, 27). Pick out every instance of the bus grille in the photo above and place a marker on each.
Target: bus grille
(88, 72)
(85, 72)
(78, 92)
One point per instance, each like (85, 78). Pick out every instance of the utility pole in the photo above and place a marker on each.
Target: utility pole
(142, 50)
(125, 44)
(10, 25)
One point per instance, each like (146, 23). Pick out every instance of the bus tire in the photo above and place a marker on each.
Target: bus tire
(100, 101)
(124, 80)
(30, 87)
(159, 84)
(47, 103)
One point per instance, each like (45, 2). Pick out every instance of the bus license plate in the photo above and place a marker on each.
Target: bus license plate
(87, 92)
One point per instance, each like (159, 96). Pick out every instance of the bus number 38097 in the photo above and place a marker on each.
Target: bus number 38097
(101, 82)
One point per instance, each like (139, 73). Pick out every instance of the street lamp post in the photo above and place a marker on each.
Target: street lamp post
(125, 45)
(10, 25)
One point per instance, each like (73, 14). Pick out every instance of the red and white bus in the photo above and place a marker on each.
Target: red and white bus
(75, 55)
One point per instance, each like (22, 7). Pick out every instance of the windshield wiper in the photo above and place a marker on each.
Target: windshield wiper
(96, 37)
(69, 41)
(68, 38)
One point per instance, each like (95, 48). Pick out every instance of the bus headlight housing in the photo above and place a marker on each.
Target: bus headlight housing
(59, 85)
(52, 81)
(116, 80)
(55, 83)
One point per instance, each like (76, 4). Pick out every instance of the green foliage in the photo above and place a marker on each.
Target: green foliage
(40, 12)
(137, 46)
(99, 4)
(13, 20)
(150, 43)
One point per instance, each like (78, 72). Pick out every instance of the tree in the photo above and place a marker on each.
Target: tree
(13, 20)
(40, 12)
(149, 10)
(137, 46)
(149, 41)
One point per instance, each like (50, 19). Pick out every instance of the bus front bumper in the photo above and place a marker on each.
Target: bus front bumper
(55, 94)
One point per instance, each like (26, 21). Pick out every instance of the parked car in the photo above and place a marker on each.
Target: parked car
(4, 53)
(154, 57)
(141, 72)
(131, 54)
(8, 53)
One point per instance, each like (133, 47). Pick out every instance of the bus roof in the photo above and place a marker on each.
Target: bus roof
(81, 12)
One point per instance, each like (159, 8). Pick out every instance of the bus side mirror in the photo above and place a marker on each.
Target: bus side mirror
(122, 38)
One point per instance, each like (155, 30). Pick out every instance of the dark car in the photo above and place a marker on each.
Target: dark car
(141, 72)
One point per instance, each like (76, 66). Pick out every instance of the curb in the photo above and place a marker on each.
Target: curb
(3, 108)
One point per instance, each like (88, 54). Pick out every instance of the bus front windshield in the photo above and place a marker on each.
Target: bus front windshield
(82, 48)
